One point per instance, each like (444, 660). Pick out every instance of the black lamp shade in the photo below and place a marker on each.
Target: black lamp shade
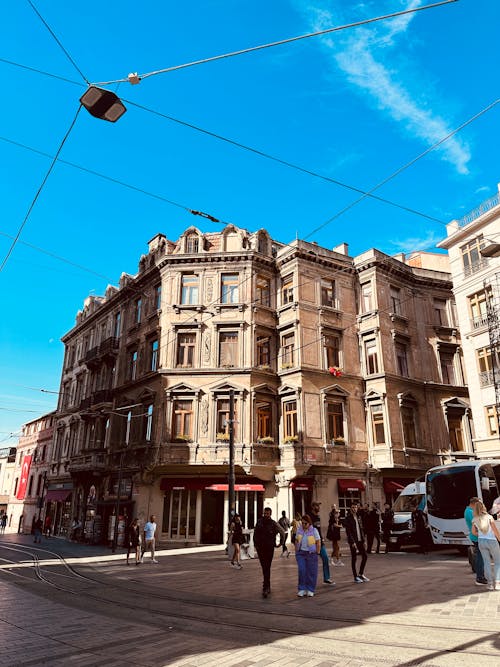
(103, 104)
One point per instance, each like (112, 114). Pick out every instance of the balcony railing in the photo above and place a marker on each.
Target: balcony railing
(479, 322)
(480, 210)
(486, 378)
(475, 267)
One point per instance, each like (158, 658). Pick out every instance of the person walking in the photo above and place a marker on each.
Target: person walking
(3, 523)
(47, 526)
(372, 528)
(333, 534)
(37, 530)
(264, 538)
(149, 538)
(237, 539)
(356, 539)
(477, 556)
(421, 530)
(293, 528)
(307, 550)
(316, 522)
(387, 521)
(134, 541)
(483, 526)
(284, 522)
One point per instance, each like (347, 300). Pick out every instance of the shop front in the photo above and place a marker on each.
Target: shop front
(302, 494)
(58, 510)
(195, 509)
(350, 490)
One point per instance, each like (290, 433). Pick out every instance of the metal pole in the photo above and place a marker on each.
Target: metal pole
(117, 506)
(231, 480)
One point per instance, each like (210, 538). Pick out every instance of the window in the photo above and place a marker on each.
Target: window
(189, 289)
(478, 308)
(185, 350)
(441, 312)
(264, 420)
(447, 361)
(332, 351)
(334, 421)
(192, 243)
(229, 288)
(492, 417)
(367, 304)
(128, 427)
(263, 351)
(117, 325)
(378, 429)
(290, 419)
(263, 291)
(402, 358)
(153, 355)
(408, 419)
(137, 311)
(262, 245)
(287, 290)
(223, 418)
(396, 301)
(328, 293)
(148, 431)
(287, 350)
(456, 433)
(157, 297)
(485, 365)
(472, 259)
(132, 367)
(371, 357)
(228, 349)
(182, 426)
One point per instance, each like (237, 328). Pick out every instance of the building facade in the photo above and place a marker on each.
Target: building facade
(28, 474)
(473, 244)
(344, 373)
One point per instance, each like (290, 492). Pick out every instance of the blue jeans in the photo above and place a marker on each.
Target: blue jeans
(326, 567)
(490, 549)
(478, 563)
(307, 563)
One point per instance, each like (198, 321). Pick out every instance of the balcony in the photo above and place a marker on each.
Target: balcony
(106, 351)
(479, 322)
(91, 358)
(95, 461)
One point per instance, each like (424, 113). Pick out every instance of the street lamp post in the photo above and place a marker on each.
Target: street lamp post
(128, 416)
(231, 478)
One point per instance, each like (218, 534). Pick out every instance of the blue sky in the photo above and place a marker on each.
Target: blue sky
(354, 106)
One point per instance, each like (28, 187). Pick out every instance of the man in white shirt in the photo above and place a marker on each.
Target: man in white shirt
(149, 538)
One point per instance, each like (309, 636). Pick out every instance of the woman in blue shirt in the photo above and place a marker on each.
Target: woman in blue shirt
(307, 548)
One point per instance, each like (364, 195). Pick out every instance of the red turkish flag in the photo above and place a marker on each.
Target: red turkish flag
(23, 482)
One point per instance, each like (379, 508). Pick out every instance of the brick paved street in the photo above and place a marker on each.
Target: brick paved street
(416, 610)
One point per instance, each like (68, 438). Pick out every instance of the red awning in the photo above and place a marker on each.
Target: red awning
(351, 485)
(390, 486)
(302, 484)
(58, 495)
(237, 487)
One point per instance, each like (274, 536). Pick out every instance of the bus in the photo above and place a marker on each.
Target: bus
(403, 530)
(448, 491)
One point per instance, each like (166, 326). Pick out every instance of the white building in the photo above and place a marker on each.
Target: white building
(473, 244)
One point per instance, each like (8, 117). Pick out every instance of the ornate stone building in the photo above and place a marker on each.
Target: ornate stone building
(340, 369)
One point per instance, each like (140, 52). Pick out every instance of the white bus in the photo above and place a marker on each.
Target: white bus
(449, 489)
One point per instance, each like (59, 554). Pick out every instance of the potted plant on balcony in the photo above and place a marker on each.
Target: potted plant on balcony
(286, 366)
(181, 437)
(266, 440)
(222, 437)
(264, 367)
(338, 440)
(290, 438)
(335, 371)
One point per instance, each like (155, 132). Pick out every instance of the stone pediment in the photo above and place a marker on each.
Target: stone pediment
(335, 390)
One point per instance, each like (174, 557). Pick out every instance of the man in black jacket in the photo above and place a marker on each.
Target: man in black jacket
(356, 538)
(264, 538)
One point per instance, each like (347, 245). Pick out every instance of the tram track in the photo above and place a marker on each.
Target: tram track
(174, 611)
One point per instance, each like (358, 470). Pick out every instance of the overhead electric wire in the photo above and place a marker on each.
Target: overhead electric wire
(281, 42)
(404, 167)
(39, 71)
(33, 202)
(286, 163)
(58, 41)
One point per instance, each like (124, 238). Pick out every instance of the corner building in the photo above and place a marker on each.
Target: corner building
(336, 365)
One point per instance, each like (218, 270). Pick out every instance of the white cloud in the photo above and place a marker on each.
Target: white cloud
(413, 244)
(366, 56)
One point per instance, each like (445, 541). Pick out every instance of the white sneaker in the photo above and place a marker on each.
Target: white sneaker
(358, 580)
(362, 576)
(142, 559)
(340, 563)
(301, 594)
(310, 594)
(154, 560)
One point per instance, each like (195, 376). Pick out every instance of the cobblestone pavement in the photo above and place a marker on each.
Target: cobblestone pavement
(416, 610)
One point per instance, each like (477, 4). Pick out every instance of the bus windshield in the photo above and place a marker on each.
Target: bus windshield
(407, 503)
(449, 491)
